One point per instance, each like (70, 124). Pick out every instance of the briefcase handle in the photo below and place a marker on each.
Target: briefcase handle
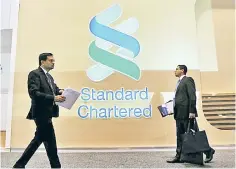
(192, 126)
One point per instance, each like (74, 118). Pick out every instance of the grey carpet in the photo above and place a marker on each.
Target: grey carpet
(222, 159)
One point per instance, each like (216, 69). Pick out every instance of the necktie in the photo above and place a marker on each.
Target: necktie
(50, 82)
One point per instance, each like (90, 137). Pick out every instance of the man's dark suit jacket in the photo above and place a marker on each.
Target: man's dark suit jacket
(41, 94)
(185, 99)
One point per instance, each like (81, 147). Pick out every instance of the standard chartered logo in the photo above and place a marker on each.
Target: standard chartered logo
(107, 104)
(100, 50)
(114, 50)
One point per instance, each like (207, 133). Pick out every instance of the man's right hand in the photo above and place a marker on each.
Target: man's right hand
(59, 98)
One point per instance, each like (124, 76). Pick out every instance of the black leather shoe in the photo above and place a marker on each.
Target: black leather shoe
(209, 156)
(174, 160)
(18, 166)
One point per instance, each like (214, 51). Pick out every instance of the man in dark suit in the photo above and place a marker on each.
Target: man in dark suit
(43, 93)
(185, 109)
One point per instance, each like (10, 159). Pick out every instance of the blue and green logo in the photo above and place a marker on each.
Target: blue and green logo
(103, 50)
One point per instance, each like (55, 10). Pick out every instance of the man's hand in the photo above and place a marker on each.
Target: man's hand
(191, 115)
(61, 91)
(59, 98)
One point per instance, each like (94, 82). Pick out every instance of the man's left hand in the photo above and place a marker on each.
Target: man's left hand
(191, 115)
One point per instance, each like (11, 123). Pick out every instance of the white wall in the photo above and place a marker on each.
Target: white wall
(8, 10)
(5, 77)
(205, 36)
(8, 23)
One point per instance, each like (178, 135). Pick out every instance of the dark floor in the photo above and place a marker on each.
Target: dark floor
(154, 159)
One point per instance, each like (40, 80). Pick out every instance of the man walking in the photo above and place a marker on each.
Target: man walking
(43, 93)
(185, 109)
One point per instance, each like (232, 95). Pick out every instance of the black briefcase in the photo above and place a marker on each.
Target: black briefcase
(193, 158)
(194, 141)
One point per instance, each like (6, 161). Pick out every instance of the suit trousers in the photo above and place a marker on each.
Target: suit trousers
(44, 134)
(181, 128)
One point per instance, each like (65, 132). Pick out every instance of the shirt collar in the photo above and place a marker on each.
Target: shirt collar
(181, 77)
(44, 70)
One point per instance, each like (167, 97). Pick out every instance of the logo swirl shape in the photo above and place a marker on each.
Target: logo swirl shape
(108, 62)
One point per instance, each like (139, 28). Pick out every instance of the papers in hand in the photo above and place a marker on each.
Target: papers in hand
(166, 108)
(71, 97)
